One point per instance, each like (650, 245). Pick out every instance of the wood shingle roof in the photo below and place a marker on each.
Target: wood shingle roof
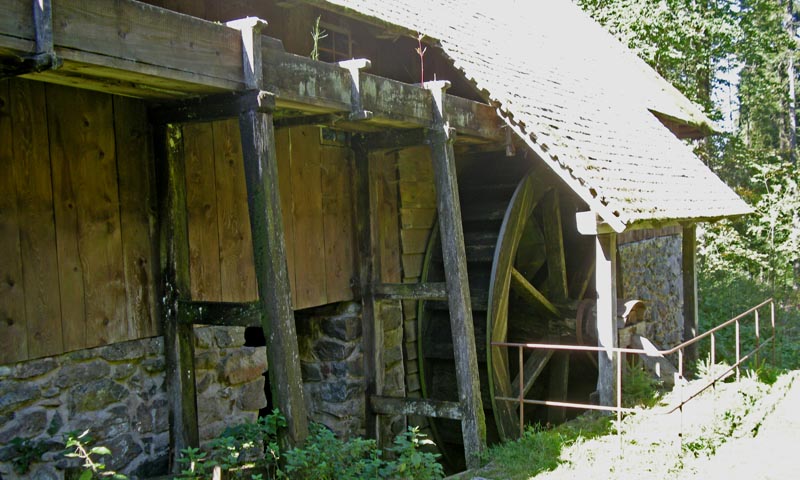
(580, 100)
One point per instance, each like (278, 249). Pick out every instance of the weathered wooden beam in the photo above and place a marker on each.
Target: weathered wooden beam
(606, 286)
(525, 289)
(323, 119)
(558, 386)
(396, 138)
(441, 138)
(554, 247)
(212, 107)
(368, 271)
(689, 274)
(269, 255)
(224, 314)
(416, 406)
(531, 369)
(178, 337)
(411, 291)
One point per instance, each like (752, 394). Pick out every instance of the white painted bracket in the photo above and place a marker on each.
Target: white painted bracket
(355, 66)
(251, 28)
(438, 88)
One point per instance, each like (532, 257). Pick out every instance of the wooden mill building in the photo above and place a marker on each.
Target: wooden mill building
(179, 176)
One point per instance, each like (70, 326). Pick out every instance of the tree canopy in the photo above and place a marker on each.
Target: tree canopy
(737, 59)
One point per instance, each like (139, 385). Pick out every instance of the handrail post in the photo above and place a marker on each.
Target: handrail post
(713, 350)
(774, 339)
(758, 339)
(737, 350)
(521, 394)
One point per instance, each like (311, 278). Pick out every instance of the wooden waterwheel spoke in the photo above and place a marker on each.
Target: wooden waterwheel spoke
(526, 290)
(533, 367)
(554, 247)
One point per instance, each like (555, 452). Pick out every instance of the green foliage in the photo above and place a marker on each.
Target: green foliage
(327, 458)
(25, 453)
(251, 450)
(539, 449)
(639, 388)
(80, 446)
(239, 450)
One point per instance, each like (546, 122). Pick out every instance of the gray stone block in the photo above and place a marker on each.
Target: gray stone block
(123, 351)
(15, 395)
(344, 327)
(79, 373)
(35, 368)
(26, 424)
(328, 349)
(95, 396)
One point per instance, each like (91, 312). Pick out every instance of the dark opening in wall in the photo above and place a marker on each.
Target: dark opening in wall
(254, 337)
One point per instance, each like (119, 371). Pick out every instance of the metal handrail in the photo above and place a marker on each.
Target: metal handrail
(619, 409)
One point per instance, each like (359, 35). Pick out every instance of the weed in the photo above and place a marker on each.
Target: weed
(79, 446)
(317, 34)
(26, 453)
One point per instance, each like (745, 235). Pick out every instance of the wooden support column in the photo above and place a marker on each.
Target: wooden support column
(178, 336)
(558, 388)
(605, 280)
(368, 268)
(689, 272)
(441, 138)
(269, 254)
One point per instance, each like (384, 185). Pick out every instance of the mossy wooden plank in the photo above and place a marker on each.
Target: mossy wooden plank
(149, 35)
(337, 204)
(83, 152)
(414, 240)
(13, 329)
(237, 272)
(32, 177)
(178, 337)
(137, 199)
(308, 230)
(283, 151)
(201, 212)
(414, 164)
(387, 213)
(418, 194)
(412, 264)
(417, 217)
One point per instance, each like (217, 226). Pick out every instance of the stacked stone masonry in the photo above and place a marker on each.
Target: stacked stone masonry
(117, 391)
(651, 272)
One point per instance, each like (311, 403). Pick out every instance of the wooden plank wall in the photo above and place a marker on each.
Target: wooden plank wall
(76, 220)
(316, 198)
(417, 216)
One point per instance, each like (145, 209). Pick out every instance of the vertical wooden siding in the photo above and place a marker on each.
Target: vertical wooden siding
(417, 216)
(76, 220)
(316, 199)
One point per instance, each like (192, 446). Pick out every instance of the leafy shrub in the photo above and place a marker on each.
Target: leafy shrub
(80, 446)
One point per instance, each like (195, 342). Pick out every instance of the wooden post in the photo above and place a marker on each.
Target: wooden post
(269, 255)
(174, 285)
(441, 138)
(689, 273)
(368, 266)
(558, 386)
(605, 280)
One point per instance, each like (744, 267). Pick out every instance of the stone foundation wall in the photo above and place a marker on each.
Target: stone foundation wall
(118, 392)
(651, 271)
(332, 362)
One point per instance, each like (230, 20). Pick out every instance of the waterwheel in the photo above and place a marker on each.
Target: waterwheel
(519, 287)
